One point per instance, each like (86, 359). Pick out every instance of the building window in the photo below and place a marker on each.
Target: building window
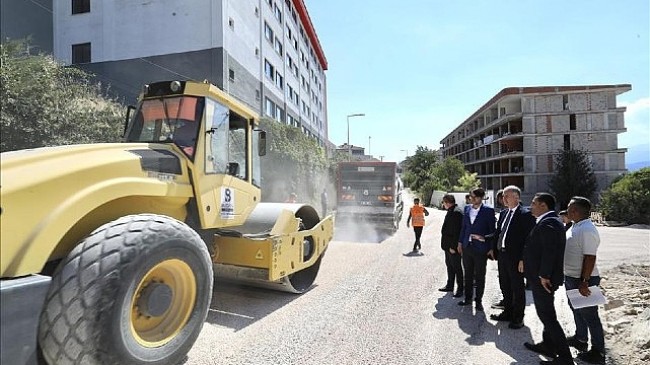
(269, 107)
(572, 122)
(278, 46)
(279, 81)
(257, 95)
(567, 142)
(268, 32)
(289, 61)
(80, 6)
(81, 53)
(269, 70)
(278, 12)
(279, 113)
(231, 74)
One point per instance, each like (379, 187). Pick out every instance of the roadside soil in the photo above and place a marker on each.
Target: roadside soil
(626, 316)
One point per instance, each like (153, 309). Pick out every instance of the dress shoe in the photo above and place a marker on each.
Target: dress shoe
(459, 294)
(577, 344)
(557, 361)
(592, 356)
(465, 302)
(540, 348)
(479, 307)
(501, 317)
(446, 288)
(515, 325)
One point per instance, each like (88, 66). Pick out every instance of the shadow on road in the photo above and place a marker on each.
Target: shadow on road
(481, 331)
(237, 306)
(413, 254)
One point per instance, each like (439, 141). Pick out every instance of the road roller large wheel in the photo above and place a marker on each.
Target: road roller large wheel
(135, 291)
(302, 280)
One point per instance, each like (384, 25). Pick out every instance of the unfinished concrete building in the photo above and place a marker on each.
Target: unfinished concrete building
(515, 137)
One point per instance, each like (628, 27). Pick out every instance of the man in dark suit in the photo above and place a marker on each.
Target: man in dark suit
(450, 232)
(515, 222)
(478, 222)
(544, 265)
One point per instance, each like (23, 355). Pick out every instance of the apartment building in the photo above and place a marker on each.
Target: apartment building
(515, 137)
(265, 53)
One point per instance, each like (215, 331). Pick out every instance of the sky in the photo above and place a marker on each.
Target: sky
(418, 68)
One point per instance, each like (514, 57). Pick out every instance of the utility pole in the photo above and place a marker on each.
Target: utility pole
(348, 118)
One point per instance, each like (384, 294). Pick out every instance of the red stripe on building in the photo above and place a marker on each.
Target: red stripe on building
(311, 32)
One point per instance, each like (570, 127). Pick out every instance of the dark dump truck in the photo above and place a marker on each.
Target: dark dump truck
(369, 193)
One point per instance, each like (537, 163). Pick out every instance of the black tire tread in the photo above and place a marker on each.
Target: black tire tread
(72, 303)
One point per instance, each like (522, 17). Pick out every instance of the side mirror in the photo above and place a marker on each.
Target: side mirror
(233, 168)
(261, 143)
(127, 118)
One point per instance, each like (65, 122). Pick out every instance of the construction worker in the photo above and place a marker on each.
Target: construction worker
(292, 198)
(416, 216)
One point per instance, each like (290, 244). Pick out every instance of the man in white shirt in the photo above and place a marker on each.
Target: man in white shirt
(581, 272)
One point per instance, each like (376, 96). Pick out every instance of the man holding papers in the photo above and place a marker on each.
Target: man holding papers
(580, 272)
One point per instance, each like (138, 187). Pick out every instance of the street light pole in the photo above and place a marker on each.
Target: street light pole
(407, 153)
(368, 145)
(348, 118)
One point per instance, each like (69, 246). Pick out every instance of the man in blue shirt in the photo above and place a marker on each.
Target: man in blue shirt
(478, 222)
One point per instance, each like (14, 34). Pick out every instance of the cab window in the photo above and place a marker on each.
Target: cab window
(216, 116)
(226, 141)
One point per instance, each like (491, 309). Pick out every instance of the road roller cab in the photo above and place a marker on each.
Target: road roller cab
(109, 250)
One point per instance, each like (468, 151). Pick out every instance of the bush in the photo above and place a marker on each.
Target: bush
(47, 104)
(628, 199)
(295, 163)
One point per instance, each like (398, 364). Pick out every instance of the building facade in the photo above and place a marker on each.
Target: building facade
(515, 137)
(263, 52)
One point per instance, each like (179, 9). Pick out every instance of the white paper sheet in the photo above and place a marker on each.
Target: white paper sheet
(578, 301)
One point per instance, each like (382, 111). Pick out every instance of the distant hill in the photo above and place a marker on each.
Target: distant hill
(637, 165)
(637, 157)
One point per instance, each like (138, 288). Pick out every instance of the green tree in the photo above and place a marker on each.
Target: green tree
(448, 172)
(425, 172)
(47, 104)
(574, 175)
(628, 198)
(294, 163)
(468, 182)
(419, 172)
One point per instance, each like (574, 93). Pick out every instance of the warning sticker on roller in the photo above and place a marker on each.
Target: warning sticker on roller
(227, 203)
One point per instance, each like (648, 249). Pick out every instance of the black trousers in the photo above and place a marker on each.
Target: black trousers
(553, 334)
(474, 263)
(418, 234)
(511, 282)
(454, 270)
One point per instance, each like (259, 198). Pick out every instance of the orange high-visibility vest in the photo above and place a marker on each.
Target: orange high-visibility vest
(417, 216)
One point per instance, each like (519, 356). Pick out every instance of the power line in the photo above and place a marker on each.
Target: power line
(166, 69)
(41, 6)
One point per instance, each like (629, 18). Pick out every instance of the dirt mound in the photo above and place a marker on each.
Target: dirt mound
(626, 318)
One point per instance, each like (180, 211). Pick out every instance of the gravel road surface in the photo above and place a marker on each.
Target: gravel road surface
(373, 303)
